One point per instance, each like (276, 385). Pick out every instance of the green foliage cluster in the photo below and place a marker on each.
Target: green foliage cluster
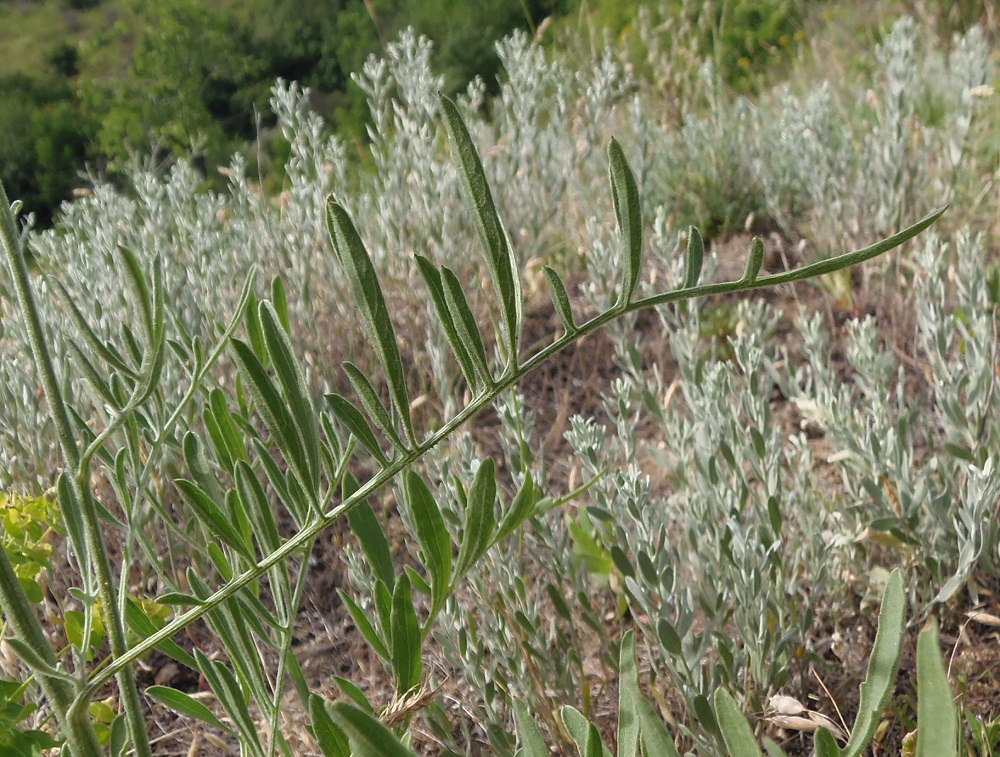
(29, 526)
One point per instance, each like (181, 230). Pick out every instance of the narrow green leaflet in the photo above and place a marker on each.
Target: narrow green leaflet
(736, 731)
(72, 513)
(937, 718)
(354, 693)
(407, 662)
(367, 735)
(280, 302)
(360, 618)
(499, 254)
(368, 296)
(230, 433)
(628, 698)
(355, 421)
(432, 277)
(332, 741)
(231, 697)
(529, 737)
(520, 509)
(578, 728)
(480, 517)
(825, 744)
(694, 258)
(368, 531)
(560, 300)
(199, 467)
(465, 326)
(595, 747)
(377, 414)
(294, 387)
(30, 657)
(212, 517)
(184, 704)
(656, 739)
(882, 665)
(432, 535)
(628, 213)
(140, 290)
(105, 350)
(265, 528)
(773, 750)
(270, 406)
(754, 260)
(93, 376)
(139, 622)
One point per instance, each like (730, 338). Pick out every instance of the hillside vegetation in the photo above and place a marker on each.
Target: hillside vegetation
(554, 416)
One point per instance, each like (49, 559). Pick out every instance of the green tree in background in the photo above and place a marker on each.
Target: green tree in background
(192, 82)
(44, 141)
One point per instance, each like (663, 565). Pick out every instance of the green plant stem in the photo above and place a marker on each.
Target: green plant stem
(97, 555)
(24, 623)
(509, 379)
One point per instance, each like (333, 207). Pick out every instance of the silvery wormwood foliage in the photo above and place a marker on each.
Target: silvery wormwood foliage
(410, 203)
(840, 172)
(921, 480)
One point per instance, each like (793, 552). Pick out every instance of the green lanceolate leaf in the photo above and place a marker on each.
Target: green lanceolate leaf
(140, 623)
(135, 276)
(628, 213)
(825, 744)
(465, 325)
(199, 467)
(367, 735)
(638, 722)
(431, 533)
(184, 704)
(773, 750)
(560, 300)
(882, 666)
(230, 695)
(595, 746)
(296, 391)
(656, 739)
(271, 407)
(280, 303)
(355, 421)
(754, 261)
(736, 731)
(258, 509)
(628, 698)
(937, 718)
(72, 513)
(480, 517)
(368, 295)
(355, 694)
(332, 741)
(377, 414)
(370, 536)
(520, 509)
(694, 258)
(407, 662)
(364, 625)
(499, 254)
(105, 350)
(529, 737)
(212, 516)
(578, 728)
(34, 660)
(432, 277)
